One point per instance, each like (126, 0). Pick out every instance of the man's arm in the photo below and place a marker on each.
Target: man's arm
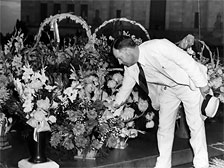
(125, 90)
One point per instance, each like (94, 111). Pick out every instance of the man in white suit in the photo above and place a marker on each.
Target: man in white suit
(172, 77)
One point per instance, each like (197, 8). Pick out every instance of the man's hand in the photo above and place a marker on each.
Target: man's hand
(205, 90)
(115, 106)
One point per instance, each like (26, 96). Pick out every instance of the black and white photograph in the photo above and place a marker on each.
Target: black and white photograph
(111, 84)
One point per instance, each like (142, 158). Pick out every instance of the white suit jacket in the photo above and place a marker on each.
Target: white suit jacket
(164, 64)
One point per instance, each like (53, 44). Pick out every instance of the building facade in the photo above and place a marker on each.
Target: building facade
(174, 15)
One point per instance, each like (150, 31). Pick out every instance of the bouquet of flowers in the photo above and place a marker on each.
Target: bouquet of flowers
(216, 80)
(87, 122)
(36, 95)
(10, 65)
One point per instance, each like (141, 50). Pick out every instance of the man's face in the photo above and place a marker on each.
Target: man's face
(124, 56)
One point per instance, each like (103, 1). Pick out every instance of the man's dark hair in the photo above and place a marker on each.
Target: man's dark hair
(123, 41)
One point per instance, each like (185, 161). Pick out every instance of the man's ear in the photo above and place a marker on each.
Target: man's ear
(123, 50)
(127, 50)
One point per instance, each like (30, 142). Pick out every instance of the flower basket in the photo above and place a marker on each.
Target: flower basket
(89, 155)
(122, 143)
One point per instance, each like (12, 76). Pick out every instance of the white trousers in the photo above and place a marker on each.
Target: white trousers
(170, 99)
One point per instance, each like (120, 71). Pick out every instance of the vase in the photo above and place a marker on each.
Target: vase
(37, 149)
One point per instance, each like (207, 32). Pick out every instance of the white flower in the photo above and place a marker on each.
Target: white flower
(89, 88)
(43, 77)
(222, 89)
(68, 91)
(76, 85)
(143, 105)
(28, 106)
(210, 71)
(216, 82)
(36, 85)
(107, 115)
(50, 88)
(133, 133)
(135, 96)
(130, 124)
(81, 93)
(111, 84)
(150, 124)
(18, 86)
(105, 65)
(52, 119)
(111, 38)
(104, 95)
(71, 93)
(89, 79)
(118, 78)
(149, 116)
(128, 113)
(43, 103)
(28, 93)
(124, 132)
(27, 73)
(219, 71)
(54, 105)
(97, 94)
(221, 97)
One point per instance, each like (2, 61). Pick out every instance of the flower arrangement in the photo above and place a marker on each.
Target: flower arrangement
(216, 79)
(11, 63)
(69, 89)
(36, 96)
(87, 122)
(4, 91)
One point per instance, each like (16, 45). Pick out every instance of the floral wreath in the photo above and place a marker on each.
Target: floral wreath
(123, 20)
(53, 21)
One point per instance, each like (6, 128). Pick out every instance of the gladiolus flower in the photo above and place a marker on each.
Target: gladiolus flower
(43, 103)
(143, 105)
(111, 84)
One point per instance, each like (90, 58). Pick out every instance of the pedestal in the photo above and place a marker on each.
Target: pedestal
(24, 163)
